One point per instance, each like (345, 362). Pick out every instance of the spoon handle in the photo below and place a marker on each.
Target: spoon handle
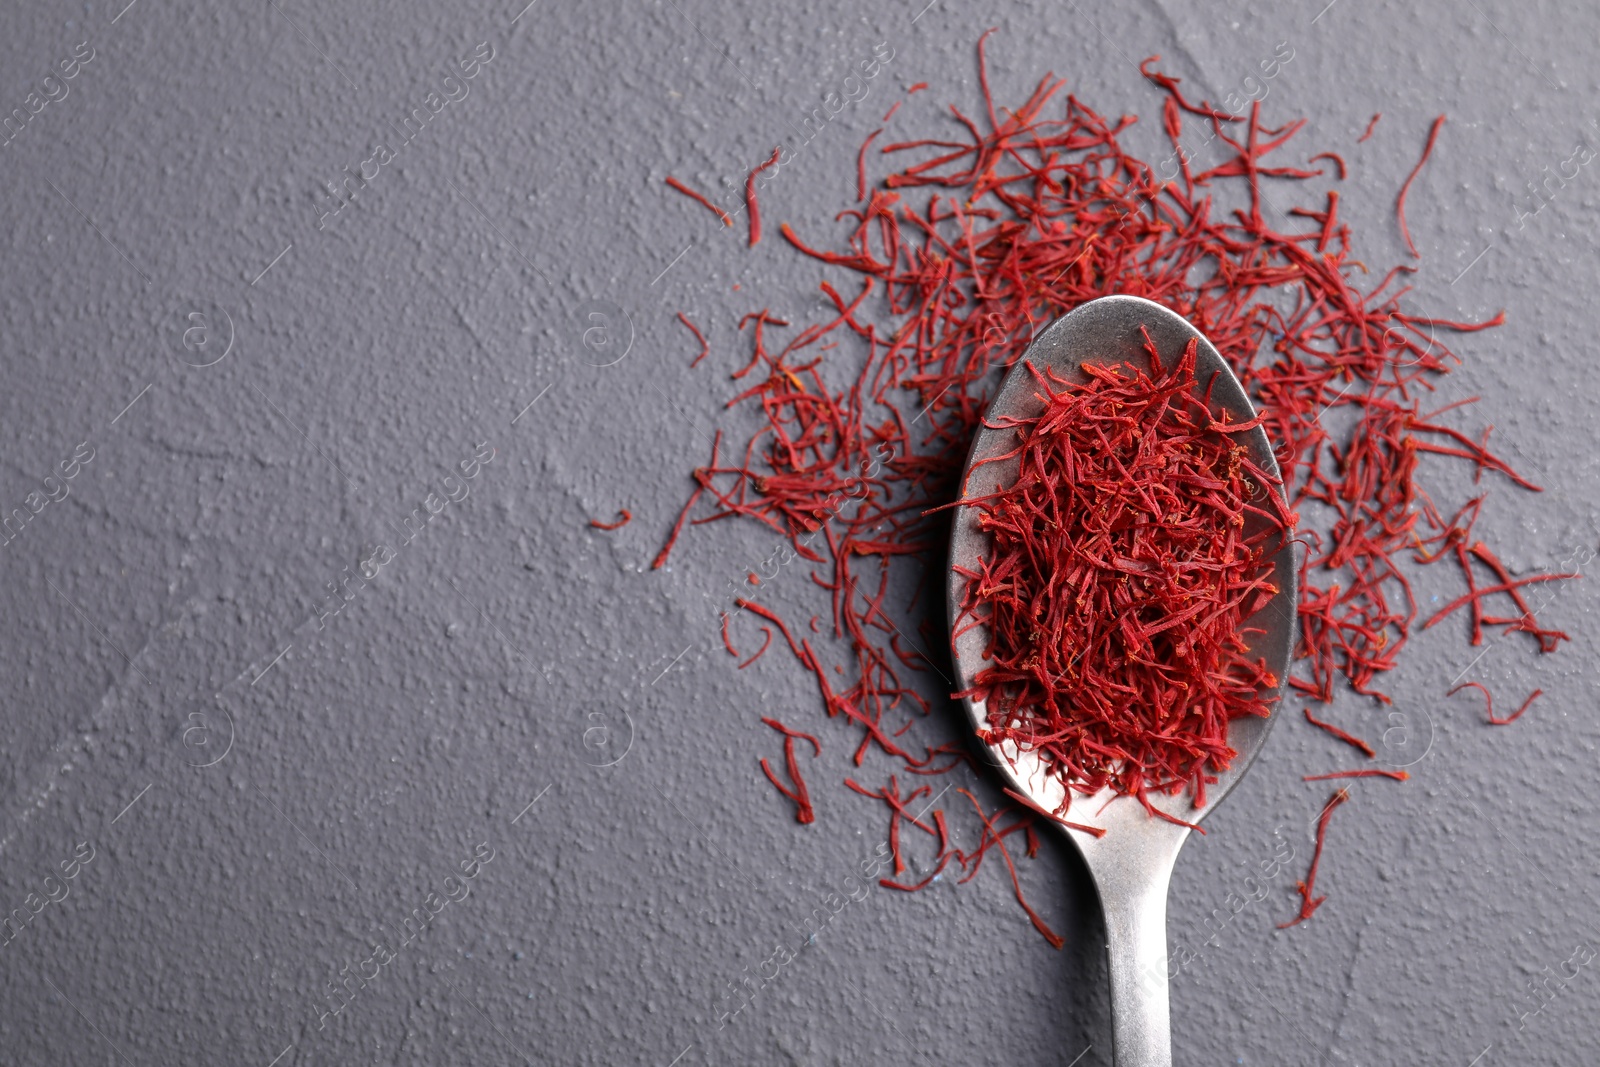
(1136, 942)
(1133, 894)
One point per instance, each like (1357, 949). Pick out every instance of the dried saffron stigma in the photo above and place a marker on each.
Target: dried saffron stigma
(705, 346)
(799, 794)
(1370, 772)
(1349, 739)
(699, 198)
(750, 195)
(1120, 577)
(1488, 703)
(1400, 201)
(1309, 901)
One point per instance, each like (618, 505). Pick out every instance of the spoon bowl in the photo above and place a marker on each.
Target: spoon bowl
(1132, 861)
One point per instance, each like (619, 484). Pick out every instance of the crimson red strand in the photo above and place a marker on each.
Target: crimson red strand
(727, 220)
(750, 196)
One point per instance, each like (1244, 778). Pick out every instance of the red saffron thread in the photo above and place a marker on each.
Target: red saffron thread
(705, 346)
(1338, 161)
(993, 837)
(1031, 805)
(1370, 127)
(861, 163)
(688, 506)
(624, 516)
(1399, 776)
(750, 196)
(1308, 903)
(1349, 739)
(799, 794)
(1400, 201)
(765, 641)
(727, 220)
(1488, 703)
(1515, 715)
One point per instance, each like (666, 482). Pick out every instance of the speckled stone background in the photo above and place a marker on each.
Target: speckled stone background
(251, 774)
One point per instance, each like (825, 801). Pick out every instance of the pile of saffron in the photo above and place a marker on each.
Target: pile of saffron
(940, 275)
(1123, 562)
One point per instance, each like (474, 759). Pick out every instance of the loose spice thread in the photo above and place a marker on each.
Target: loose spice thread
(727, 220)
(1453, 538)
(1033, 806)
(1399, 776)
(766, 640)
(980, 237)
(1349, 739)
(1337, 160)
(799, 794)
(996, 838)
(624, 516)
(688, 506)
(1308, 903)
(1370, 127)
(750, 196)
(1488, 702)
(861, 162)
(1400, 201)
(705, 346)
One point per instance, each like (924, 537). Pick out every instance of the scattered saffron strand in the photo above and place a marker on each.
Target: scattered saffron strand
(1488, 698)
(688, 506)
(992, 836)
(861, 163)
(1370, 126)
(1349, 739)
(1515, 715)
(1399, 776)
(1033, 806)
(624, 516)
(890, 114)
(727, 220)
(766, 641)
(1487, 590)
(1338, 161)
(799, 794)
(750, 196)
(1488, 703)
(783, 628)
(705, 346)
(917, 88)
(1400, 201)
(1308, 904)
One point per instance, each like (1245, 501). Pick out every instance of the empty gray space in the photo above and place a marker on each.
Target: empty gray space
(264, 784)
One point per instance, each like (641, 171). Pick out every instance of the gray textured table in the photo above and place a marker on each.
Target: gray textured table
(519, 727)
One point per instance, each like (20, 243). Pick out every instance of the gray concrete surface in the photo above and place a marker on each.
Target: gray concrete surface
(249, 788)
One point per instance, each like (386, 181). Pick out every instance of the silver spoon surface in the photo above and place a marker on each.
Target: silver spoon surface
(1132, 863)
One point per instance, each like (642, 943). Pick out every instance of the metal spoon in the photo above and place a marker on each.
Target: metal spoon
(1132, 864)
